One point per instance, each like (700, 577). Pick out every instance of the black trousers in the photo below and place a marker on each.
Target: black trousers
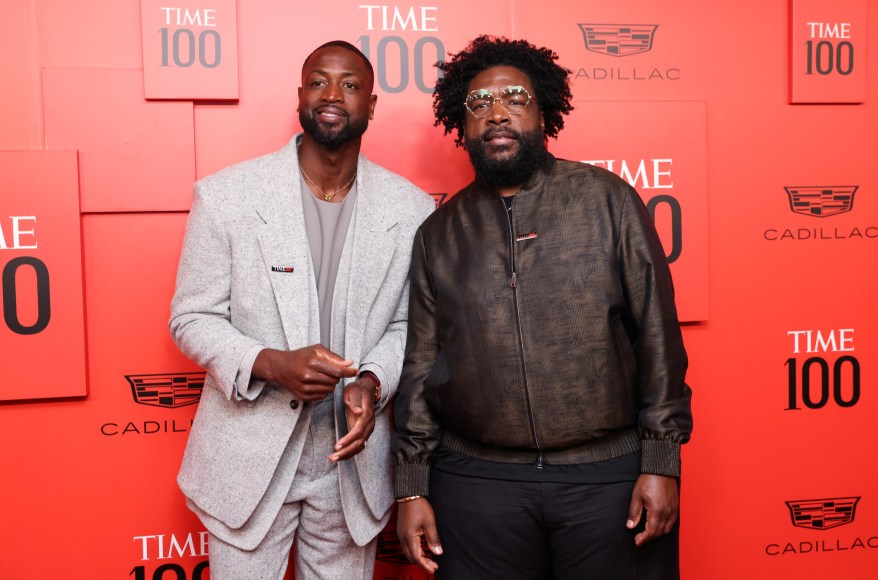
(514, 530)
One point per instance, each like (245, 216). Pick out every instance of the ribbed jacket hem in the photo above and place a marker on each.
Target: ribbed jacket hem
(614, 444)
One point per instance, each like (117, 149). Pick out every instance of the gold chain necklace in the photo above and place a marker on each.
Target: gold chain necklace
(327, 196)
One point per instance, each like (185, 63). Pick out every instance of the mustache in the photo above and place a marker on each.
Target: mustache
(330, 109)
(500, 132)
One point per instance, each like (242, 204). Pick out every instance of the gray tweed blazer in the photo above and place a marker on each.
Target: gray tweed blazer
(246, 282)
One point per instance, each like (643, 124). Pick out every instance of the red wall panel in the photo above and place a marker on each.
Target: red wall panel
(43, 325)
(134, 155)
(828, 54)
(190, 50)
(19, 121)
(93, 34)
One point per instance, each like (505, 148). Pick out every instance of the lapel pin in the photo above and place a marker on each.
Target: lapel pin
(523, 237)
(287, 269)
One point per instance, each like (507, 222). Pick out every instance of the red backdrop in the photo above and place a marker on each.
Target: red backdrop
(767, 209)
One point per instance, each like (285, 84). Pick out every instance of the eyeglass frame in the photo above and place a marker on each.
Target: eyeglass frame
(482, 93)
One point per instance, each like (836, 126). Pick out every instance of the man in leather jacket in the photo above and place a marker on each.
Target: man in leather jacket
(542, 403)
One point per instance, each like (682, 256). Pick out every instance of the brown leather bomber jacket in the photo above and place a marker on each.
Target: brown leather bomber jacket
(544, 334)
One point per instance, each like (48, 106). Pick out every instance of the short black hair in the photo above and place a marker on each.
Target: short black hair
(550, 81)
(345, 45)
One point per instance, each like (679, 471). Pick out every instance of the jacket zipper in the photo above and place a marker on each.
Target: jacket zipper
(512, 282)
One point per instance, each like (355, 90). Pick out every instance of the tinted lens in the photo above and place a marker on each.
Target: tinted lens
(514, 99)
(480, 102)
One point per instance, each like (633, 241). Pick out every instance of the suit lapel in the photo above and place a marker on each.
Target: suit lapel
(371, 252)
(284, 244)
(364, 262)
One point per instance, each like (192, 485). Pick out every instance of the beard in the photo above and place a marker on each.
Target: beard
(332, 137)
(511, 171)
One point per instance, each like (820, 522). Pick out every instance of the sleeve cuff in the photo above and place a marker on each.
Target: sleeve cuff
(246, 389)
(412, 479)
(660, 457)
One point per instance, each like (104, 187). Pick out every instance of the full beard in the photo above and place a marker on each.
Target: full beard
(514, 170)
(332, 136)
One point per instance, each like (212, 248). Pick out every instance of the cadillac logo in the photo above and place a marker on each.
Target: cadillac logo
(823, 514)
(618, 39)
(167, 389)
(821, 201)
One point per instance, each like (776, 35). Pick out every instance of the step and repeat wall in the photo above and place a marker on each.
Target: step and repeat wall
(749, 130)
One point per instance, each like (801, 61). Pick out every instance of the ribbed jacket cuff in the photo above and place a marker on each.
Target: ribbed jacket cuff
(412, 479)
(660, 457)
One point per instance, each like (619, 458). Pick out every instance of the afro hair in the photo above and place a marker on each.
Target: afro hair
(550, 81)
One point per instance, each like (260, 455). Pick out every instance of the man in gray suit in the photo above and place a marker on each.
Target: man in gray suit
(292, 294)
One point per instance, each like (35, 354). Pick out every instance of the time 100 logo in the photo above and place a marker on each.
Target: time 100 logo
(183, 46)
(817, 383)
(393, 53)
(824, 56)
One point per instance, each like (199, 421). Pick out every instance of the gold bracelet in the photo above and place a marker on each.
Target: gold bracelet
(409, 498)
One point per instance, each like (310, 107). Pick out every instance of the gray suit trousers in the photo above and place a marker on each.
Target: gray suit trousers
(311, 519)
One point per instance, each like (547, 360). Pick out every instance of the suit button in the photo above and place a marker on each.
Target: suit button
(294, 404)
